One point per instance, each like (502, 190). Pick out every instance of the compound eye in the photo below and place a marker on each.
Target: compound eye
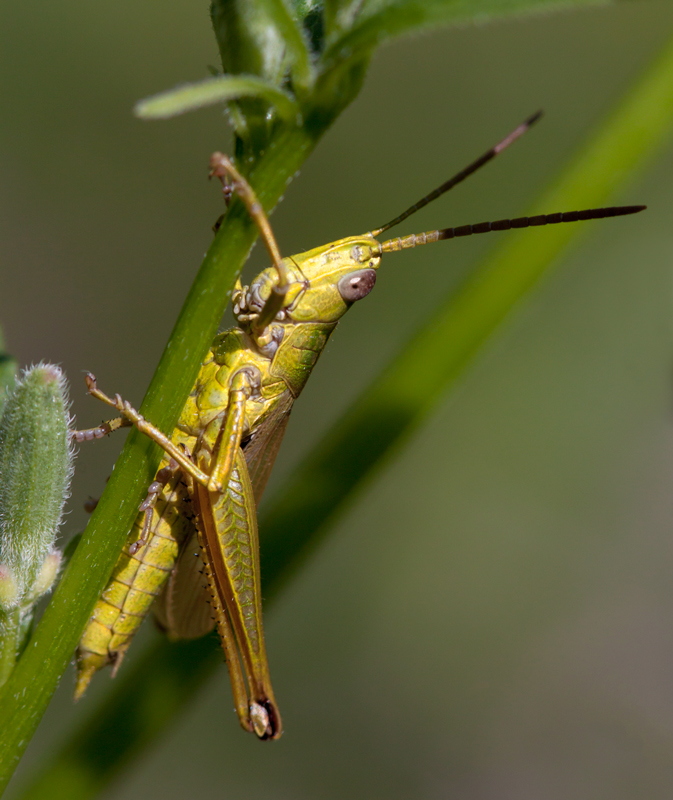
(357, 285)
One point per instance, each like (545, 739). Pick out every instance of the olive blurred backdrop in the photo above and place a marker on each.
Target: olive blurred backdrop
(493, 616)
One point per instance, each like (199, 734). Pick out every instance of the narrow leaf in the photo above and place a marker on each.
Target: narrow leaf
(340, 17)
(295, 43)
(312, 13)
(209, 91)
(362, 26)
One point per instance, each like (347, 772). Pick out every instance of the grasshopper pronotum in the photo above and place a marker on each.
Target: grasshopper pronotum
(220, 455)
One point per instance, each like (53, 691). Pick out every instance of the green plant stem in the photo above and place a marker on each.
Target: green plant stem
(379, 421)
(55, 638)
(9, 642)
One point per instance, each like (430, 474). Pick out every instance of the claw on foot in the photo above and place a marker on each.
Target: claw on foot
(133, 549)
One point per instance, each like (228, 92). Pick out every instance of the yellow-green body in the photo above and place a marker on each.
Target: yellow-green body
(135, 583)
(278, 363)
(224, 446)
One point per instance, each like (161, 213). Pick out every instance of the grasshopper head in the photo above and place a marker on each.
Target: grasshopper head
(323, 283)
(332, 278)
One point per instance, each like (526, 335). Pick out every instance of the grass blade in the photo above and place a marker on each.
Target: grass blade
(370, 24)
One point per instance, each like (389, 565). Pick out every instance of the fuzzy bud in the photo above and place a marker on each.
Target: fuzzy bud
(35, 471)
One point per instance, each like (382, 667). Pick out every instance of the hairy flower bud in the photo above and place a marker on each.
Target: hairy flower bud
(35, 471)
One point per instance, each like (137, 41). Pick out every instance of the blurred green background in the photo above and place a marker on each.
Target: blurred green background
(493, 616)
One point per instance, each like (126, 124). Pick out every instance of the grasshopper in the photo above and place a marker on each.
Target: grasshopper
(199, 517)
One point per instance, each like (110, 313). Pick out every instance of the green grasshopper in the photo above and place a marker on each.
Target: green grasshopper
(199, 517)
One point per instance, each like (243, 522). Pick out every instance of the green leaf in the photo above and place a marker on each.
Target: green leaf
(220, 89)
(311, 15)
(377, 423)
(262, 38)
(340, 16)
(295, 43)
(359, 27)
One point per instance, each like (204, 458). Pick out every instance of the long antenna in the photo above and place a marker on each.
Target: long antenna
(417, 239)
(459, 177)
